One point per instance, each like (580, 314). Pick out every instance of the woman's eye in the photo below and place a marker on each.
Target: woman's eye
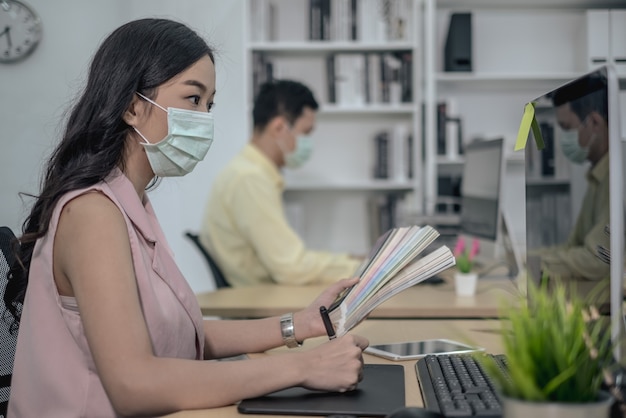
(195, 100)
(209, 106)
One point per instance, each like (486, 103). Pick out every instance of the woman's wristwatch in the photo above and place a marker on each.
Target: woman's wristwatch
(287, 331)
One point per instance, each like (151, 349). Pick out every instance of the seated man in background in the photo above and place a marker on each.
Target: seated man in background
(244, 227)
(581, 259)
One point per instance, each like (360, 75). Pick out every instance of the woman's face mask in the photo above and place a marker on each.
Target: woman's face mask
(189, 137)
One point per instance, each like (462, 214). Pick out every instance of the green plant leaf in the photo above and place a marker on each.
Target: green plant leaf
(553, 352)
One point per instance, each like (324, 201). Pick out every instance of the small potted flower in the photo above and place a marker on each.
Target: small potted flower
(465, 278)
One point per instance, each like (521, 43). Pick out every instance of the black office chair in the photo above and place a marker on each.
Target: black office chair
(8, 336)
(218, 276)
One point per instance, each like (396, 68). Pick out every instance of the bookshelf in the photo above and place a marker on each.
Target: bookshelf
(520, 50)
(363, 65)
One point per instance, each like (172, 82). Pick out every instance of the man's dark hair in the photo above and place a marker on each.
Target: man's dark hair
(281, 98)
(584, 96)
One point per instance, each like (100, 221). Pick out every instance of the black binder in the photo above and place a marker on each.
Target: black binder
(458, 48)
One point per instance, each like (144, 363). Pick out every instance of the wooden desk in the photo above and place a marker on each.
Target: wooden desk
(479, 332)
(421, 301)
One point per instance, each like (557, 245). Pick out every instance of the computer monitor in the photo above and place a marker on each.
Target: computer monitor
(575, 191)
(481, 194)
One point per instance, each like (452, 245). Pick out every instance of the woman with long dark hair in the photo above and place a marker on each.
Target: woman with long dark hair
(107, 324)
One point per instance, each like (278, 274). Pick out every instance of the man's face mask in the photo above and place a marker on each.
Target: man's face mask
(301, 153)
(189, 137)
(571, 146)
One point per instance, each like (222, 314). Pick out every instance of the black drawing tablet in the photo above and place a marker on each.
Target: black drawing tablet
(379, 393)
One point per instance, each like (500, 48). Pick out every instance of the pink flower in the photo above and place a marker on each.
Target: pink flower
(475, 249)
(460, 246)
(465, 256)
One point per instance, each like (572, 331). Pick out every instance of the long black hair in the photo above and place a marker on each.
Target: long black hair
(137, 57)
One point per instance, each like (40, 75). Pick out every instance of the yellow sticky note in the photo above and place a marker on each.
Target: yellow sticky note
(537, 134)
(524, 127)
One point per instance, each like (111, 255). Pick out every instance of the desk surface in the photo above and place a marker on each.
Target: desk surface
(478, 332)
(421, 301)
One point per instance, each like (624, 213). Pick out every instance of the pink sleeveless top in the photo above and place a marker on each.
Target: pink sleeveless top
(54, 373)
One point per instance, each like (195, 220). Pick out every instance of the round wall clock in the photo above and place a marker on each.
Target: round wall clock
(20, 30)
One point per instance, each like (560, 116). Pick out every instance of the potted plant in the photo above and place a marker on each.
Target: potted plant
(558, 353)
(465, 279)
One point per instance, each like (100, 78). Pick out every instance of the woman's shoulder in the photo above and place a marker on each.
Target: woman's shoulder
(91, 206)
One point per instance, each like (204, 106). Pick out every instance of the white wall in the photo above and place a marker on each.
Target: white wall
(35, 94)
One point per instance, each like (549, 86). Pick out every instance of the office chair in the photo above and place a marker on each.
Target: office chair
(8, 336)
(218, 276)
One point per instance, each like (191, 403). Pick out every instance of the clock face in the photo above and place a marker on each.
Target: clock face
(20, 30)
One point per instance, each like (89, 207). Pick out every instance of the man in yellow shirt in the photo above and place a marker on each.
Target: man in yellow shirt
(244, 227)
(581, 259)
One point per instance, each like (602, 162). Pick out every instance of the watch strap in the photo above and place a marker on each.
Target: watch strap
(287, 331)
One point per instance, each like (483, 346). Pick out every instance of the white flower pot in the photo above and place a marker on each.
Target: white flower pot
(517, 408)
(465, 283)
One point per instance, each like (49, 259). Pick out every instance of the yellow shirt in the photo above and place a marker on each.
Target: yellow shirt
(578, 257)
(246, 230)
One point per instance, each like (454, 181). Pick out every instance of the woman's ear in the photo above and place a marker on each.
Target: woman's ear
(134, 111)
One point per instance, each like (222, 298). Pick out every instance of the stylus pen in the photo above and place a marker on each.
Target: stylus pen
(327, 324)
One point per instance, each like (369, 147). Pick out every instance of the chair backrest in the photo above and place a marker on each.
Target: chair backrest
(218, 276)
(8, 336)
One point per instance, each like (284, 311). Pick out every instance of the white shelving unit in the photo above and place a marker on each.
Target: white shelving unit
(331, 195)
(327, 46)
(520, 50)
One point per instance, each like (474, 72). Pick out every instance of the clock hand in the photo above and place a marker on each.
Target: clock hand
(7, 31)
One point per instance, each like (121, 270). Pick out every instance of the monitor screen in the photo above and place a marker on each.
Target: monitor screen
(481, 199)
(574, 190)
(480, 189)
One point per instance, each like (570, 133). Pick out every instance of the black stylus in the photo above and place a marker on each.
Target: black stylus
(330, 330)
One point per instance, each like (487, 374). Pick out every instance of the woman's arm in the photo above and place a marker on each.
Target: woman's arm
(225, 338)
(93, 262)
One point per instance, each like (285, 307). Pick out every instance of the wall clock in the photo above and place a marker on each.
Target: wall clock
(20, 30)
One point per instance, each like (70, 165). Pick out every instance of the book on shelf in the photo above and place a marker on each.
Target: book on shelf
(393, 154)
(353, 79)
(552, 207)
(357, 79)
(549, 163)
(262, 71)
(449, 130)
(382, 213)
(547, 154)
(359, 20)
(393, 265)
(263, 20)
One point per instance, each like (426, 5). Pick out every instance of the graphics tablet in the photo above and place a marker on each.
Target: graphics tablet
(379, 393)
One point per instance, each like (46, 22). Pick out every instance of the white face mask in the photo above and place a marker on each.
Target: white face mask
(571, 147)
(189, 137)
(301, 153)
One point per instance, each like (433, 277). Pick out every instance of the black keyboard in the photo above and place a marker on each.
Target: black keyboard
(457, 386)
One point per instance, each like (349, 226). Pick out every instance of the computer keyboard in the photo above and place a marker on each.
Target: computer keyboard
(457, 386)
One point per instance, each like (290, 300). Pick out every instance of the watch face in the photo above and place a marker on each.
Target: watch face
(20, 30)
